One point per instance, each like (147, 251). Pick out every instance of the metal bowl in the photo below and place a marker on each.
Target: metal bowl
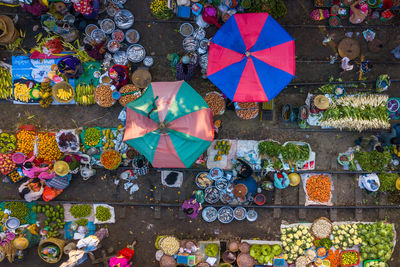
(183, 27)
(124, 19)
(90, 28)
(240, 213)
(225, 214)
(216, 173)
(130, 39)
(222, 184)
(209, 214)
(136, 53)
(251, 215)
(12, 223)
(190, 44)
(120, 58)
(211, 195)
(107, 25)
(98, 35)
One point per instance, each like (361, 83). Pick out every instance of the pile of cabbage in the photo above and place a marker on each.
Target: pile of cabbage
(295, 241)
(377, 241)
(265, 253)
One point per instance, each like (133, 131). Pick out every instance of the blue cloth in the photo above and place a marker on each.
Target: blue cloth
(69, 233)
(250, 183)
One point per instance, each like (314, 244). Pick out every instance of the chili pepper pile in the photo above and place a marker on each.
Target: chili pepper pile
(319, 188)
(110, 159)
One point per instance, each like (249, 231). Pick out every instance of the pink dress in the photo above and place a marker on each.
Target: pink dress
(121, 261)
(34, 171)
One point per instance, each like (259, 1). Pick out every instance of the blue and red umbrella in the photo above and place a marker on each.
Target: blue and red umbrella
(251, 58)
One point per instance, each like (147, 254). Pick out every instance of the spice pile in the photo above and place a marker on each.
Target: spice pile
(216, 103)
(48, 147)
(318, 188)
(25, 141)
(247, 110)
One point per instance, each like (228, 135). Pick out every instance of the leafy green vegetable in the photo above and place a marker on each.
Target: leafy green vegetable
(388, 182)
(269, 148)
(292, 153)
(373, 161)
(79, 211)
(326, 242)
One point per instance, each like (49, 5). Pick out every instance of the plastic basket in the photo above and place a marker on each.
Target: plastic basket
(52, 241)
(365, 262)
(347, 251)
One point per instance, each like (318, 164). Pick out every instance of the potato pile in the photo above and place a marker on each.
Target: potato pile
(247, 110)
(216, 103)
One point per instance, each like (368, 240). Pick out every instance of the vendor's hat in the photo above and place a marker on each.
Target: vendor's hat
(398, 183)
(294, 179)
(321, 102)
(20, 243)
(61, 168)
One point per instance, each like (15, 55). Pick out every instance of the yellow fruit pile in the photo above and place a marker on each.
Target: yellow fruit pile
(21, 92)
(48, 148)
(25, 141)
(64, 94)
(5, 83)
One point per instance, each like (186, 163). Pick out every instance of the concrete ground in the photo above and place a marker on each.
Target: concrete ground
(161, 38)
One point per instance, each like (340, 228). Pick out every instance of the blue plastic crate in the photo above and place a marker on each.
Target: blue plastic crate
(184, 11)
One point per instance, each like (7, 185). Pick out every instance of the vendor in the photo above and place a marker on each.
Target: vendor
(119, 75)
(96, 50)
(62, 176)
(244, 169)
(191, 207)
(31, 170)
(88, 8)
(71, 67)
(123, 256)
(31, 190)
(185, 69)
(358, 12)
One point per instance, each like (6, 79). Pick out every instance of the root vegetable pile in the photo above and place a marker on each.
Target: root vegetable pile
(25, 141)
(48, 147)
(319, 188)
(215, 102)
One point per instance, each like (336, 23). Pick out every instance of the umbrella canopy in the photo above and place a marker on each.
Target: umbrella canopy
(170, 124)
(251, 58)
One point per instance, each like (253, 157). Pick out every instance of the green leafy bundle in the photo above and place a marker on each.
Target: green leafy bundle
(373, 161)
(388, 182)
(269, 148)
(292, 153)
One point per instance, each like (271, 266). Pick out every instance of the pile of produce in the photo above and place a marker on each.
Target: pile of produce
(48, 147)
(103, 95)
(388, 182)
(212, 250)
(129, 93)
(25, 141)
(292, 153)
(223, 148)
(80, 211)
(92, 136)
(265, 253)
(321, 229)
(216, 103)
(318, 188)
(295, 241)
(349, 258)
(269, 149)
(247, 110)
(65, 94)
(82, 222)
(21, 92)
(110, 159)
(345, 236)
(373, 161)
(377, 241)
(160, 10)
(54, 218)
(67, 141)
(7, 142)
(45, 95)
(5, 83)
(6, 163)
(18, 210)
(357, 112)
(276, 8)
(333, 258)
(109, 143)
(103, 213)
(169, 245)
(376, 264)
(85, 94)
(324, 242)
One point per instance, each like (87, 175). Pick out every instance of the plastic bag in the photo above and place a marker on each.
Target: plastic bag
(396, 52)
(369, 182)
(50, 193)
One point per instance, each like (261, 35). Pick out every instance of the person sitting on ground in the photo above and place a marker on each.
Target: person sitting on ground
(30, 170)
(191, 207)
(31, 190)
(119, 75)
(71, 67)
(185, 69)
(123, 256)
(358, 12)
(96, 50)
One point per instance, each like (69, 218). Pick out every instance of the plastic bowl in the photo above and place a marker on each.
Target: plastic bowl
(18, 158)
(198, 176)
(216, 173)
(326, 254)
(251, 215)
(209, 210)
(236, 210)
(223, 212)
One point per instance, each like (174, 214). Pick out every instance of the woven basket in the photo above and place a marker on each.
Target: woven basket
(62, 85)
(316, 220)
(52, 241)
(2, 253)
(250, 260)
(3, 27)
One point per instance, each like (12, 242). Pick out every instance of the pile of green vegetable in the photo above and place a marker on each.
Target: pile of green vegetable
(292, 153)
(345, 236)
(212, 250)
(92, 136)
(324, 242)
(276, 8)
(265, 253)
(103, 214)
(82, 222)
(377, 241)
(373, 161)
(80, 211)
(269, 149)
(54, 218)
(388, 182)
(18, 210)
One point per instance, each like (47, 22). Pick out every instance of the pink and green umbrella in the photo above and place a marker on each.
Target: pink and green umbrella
(170, 124)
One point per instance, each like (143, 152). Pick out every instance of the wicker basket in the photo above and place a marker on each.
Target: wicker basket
(62, 85)
(316, 220)
(2, 253)
(245, 260)
(52, 241)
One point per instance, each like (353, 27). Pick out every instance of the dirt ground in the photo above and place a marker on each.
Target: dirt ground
(161, 38)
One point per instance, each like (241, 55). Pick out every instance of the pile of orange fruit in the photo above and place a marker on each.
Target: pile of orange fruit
(25, 141)
(48, 147)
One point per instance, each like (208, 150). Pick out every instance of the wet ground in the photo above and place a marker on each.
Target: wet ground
(161, 38)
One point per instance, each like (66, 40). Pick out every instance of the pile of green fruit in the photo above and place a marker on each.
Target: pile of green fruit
(7, 142)
(265, 253)
(92, 136)
(80, 211)
(5, 83)
(54, 218)
(223, 148)
(103, 214)
(212, 250)
(82, 222)
(18, 210)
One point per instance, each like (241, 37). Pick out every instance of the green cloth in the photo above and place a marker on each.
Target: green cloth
(31, 217)
(87, 76)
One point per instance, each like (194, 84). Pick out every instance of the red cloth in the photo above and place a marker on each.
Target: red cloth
(127, 253)
(84, 7)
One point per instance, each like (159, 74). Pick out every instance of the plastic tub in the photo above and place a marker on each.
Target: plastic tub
(18, 158)
(186, 29)
(347, 251)
(251, 215)
(324, 256)
(225, 214)
(198, 176)
(213, 214)
(237, 211)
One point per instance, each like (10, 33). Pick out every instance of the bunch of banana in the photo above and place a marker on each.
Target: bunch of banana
(45, 94)
(5, 83)
(109, 144)
(64, 94)
(85, 94)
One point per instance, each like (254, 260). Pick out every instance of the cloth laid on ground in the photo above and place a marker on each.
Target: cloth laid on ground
(172, 178)
(304, 178)
(248, 150)
(226, 160)
(369, 182)
(35, 70)
(69, 233)
(87, 76)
